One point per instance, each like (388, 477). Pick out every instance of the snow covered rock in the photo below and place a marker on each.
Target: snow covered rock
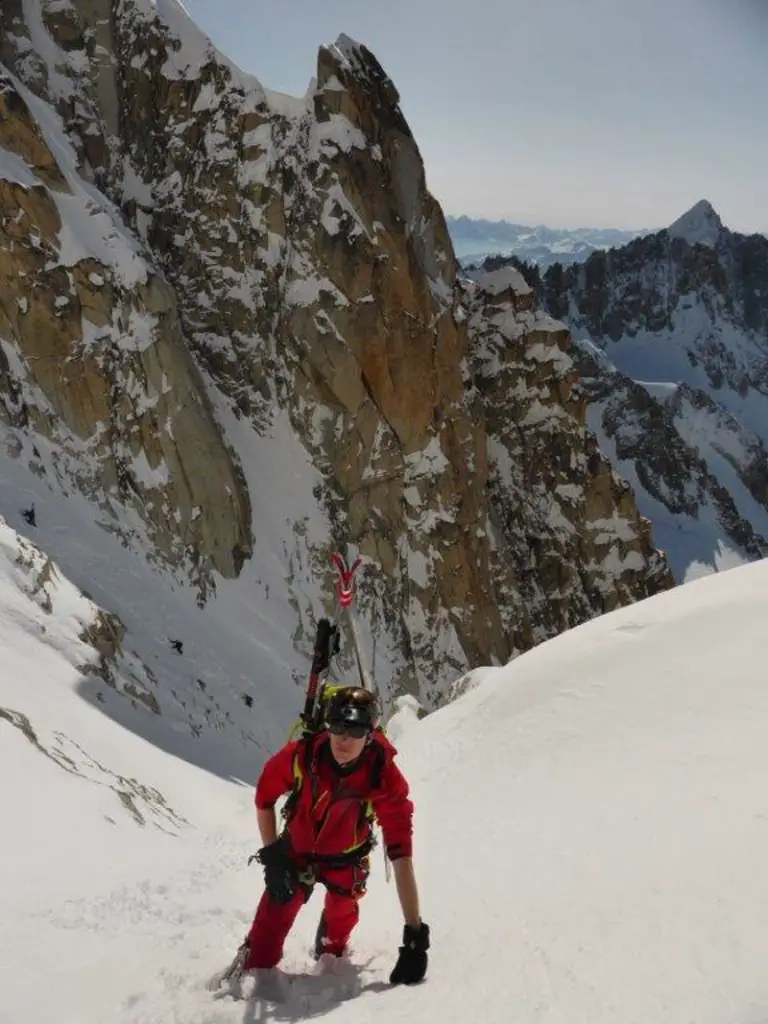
(66, 620)
(568, 539)
(93, 355)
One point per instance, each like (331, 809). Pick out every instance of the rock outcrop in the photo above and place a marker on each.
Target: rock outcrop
(94, 360)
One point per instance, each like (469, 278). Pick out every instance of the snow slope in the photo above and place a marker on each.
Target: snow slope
(233, 687)
(592, 834)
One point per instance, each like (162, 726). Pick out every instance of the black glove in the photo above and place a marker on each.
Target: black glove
(279, 873)
(411, 963)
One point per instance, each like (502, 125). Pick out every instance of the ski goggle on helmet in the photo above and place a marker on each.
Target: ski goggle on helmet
(352, 711)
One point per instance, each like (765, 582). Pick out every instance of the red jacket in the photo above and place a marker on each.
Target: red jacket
(328, 818)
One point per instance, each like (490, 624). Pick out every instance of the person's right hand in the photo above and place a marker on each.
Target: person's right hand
(279, 874)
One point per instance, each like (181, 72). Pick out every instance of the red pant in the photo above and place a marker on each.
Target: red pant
(273, 921)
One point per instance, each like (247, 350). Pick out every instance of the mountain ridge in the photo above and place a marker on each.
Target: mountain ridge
(477, 239)
(671, 339)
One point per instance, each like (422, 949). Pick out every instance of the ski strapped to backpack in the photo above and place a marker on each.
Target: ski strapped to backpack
(326, 646)
(345, 596)
(320, 691)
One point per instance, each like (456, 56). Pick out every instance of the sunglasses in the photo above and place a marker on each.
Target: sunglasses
(354, 730)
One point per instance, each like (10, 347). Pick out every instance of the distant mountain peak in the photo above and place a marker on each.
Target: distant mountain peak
(700, 225)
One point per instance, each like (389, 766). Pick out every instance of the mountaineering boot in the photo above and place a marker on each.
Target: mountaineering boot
(233, 974)
(322, 946)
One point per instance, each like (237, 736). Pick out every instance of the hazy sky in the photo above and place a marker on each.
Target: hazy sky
(607, 113)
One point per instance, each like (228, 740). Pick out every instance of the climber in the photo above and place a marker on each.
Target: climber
(340, 780)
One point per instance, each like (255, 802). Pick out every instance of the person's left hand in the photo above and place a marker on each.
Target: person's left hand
(412, 960)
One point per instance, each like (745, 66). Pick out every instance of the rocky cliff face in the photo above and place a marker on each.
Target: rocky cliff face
(672, 343)
(94, 361)
(234, 319)
(568, 527)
